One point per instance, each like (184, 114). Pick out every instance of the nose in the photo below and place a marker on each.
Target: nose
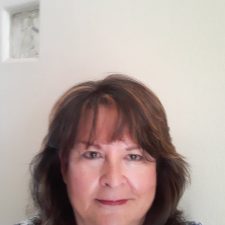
(113, 175)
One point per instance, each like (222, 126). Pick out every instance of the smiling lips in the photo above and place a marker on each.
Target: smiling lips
(112, 202)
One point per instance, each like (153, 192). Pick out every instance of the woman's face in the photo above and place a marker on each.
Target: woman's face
(109, 183)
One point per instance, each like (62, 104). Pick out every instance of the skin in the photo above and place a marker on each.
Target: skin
(109, 183)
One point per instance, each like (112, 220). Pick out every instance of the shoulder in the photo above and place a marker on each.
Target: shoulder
(32, 221)
(192, 223)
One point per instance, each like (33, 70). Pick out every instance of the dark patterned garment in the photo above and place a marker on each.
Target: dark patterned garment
(36, 221)
(32, 221)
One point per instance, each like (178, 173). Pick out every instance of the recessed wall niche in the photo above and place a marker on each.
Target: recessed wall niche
(24, 34)
(21, 31)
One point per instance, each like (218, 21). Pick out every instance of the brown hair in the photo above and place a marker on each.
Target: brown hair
(142, 112)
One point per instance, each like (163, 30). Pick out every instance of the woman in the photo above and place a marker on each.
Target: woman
(108, 159)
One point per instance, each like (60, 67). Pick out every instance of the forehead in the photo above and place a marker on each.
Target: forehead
(103, 125)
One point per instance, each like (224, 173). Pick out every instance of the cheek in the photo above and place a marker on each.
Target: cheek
(144, 181)
(80, 180)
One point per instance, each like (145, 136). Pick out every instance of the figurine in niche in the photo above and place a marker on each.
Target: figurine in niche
(25, 34)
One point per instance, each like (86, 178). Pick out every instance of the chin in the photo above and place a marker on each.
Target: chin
(113, 219)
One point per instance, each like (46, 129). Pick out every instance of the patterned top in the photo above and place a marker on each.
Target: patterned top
(36, 221)
(32, 221)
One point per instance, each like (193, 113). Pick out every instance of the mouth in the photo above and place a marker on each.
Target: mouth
(112, 202)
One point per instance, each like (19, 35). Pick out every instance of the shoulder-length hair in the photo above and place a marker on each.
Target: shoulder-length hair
(141, 111)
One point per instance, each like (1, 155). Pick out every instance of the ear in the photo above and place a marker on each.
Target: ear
(62, 168)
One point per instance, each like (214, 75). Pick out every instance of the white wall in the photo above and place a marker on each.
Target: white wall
(176, 47)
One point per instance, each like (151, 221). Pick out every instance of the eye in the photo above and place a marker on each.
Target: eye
(134, 157)
(92, 155)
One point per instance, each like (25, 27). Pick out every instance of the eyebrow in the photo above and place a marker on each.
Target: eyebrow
(135, 147)
(87, 143)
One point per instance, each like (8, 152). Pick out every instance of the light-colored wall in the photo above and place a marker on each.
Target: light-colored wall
(175, 47)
